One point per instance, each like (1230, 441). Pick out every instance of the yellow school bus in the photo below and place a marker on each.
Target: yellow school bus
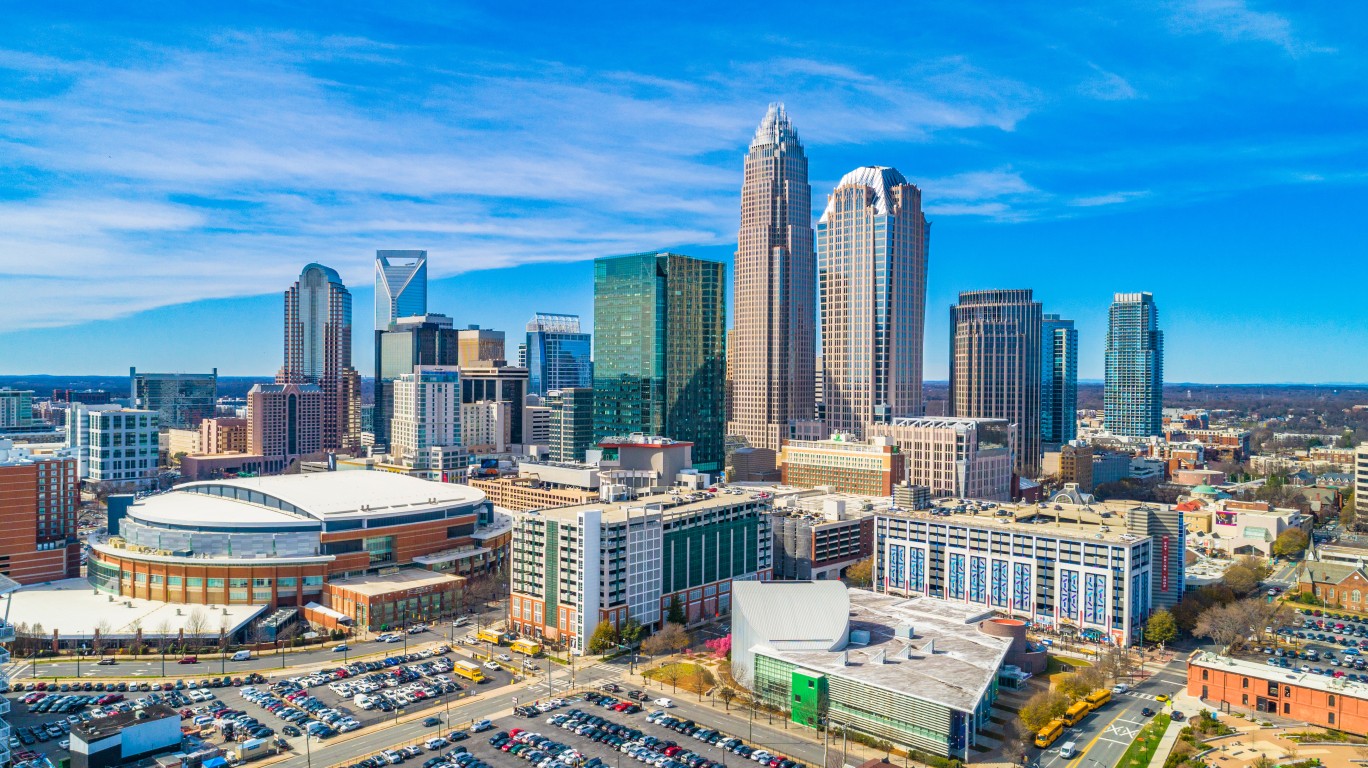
(1097, 698)
(1076, 711)
(526, 647)
(490, 636)
(1047, 735)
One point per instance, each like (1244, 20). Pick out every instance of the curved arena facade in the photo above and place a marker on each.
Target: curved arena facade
(277, 540)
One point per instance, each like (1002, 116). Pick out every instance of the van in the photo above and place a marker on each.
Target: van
(242, 656)
(1069, 750)
(460, 622)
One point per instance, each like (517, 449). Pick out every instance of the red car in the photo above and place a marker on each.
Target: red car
(188, 660)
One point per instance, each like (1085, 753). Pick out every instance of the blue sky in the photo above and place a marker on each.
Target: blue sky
(166, 171)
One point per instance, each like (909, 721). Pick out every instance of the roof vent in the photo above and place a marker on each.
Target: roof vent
(930, 647)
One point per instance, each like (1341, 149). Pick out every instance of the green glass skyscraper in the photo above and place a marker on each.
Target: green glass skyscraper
(659, 350)
(1133, 395)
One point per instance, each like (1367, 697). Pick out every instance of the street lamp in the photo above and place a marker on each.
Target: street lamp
(308, 750)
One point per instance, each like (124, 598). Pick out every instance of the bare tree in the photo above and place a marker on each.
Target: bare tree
(671, 673)
(196, 625)
(97, 642)
(726, 695)
(163, 631)
(671, 638)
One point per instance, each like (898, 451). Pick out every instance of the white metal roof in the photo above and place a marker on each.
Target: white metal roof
(878, 178)
(354, 493)
(199, 509)
(74, 608)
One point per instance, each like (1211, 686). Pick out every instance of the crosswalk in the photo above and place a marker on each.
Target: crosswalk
(1135, 694)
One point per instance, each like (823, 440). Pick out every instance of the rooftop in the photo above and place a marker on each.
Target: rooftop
(384, 583)
(670, 504)
(73, 607)
(326, 495)
(1288, 676)
(102, 727)
(1098, 521)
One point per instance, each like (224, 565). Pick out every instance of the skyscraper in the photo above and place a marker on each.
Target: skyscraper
(318, 337)
(182, 399)
(572, 423)
(871, 283)
(995, 365)
(659, 335)
(1058, 380)
(284, 423)
(427, 413)
(400, 286)
(480, 345)
(1133, 396)
(774, 288)
(557, 354)
(407, 343)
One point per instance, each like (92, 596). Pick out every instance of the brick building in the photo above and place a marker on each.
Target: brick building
(1226, 683)
(1334, 584)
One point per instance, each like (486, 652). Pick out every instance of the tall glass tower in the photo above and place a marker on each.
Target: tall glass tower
(871, 287)
(400, 291)
(318, 328)
(1133, 396)
(774, 338)
(1058, 380)
(557, 354)
(659, 350)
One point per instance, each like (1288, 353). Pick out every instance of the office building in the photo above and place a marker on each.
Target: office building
(318, 351)
(400, 287)
(658, 351)
(1097, 569)
(180, 399)
(1227, 683)
(538, 425)
(995, 366)
(427, 415)
(87, 396)
(1058, 380)
(774, 286)
(405, 344)
(842, 464)
(39, 497)
(494, 402)
(223, 434)
(959, 458)
(1133, 394)
(557, 354)
(871, 286)
(284, 424)
(478, 345)
(16, 410)
(918, 673)
(574, 567)
(572, 423)
(115, 447)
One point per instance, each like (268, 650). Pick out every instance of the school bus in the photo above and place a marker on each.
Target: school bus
(526, 647)
(1097, 698)
(468, 670)
(1076, 711)
(1047, 735)
(490, 636)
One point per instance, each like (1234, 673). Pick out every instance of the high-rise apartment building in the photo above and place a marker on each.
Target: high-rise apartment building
(16, 410)
(318, 350)
(773, 351)
(494, 405)
(223, 434)
(427, 414)
(115, 447)
(182, 399)
(1133, 395)
(961, 458)
(557, 354)
(995, 365)
(871, 287)
(1058, 380)
(39, 496)
(407, 343)
(572, 423)
(659, 321)
(284, 423)
(480, 345)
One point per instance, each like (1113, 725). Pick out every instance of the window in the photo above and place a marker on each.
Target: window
(1287, 708)
(1330, 718)
(1272, 689)
(1244, 699)
(1205, 674)
(1330, 700)
(1357, 596)
(216, 583)
(1245, 683)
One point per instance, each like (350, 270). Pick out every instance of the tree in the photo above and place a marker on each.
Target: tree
(632, 632)
(1241, 579)
(196, 625)
(676, 612)
(670, 639)
(861, 574)
(671, 673)
(604, 639)
(726, 695)
(1290, 543)
(1041, 709)
(1263, 761)
(1161, 627)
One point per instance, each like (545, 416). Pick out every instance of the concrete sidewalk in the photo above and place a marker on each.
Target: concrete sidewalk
(1166, 743)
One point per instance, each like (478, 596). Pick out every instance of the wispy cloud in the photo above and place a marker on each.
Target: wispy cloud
(1235, 21)
(1107, 86)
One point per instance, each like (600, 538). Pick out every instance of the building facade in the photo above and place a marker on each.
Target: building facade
(872, 243)
(182, 400)
(815, 545)
(1058, 380)
(284, 423)
(774, 286)
(1225, 683)
(869, 468)
(494, 399)
(1133, 394)
(16, 410)
(318, 350)
(115, 447)
(995, 366)
(558, 354)
(960, 458)
(427, 415)
(660, 324)
(407, 343)
(39, 496)
(575, 567)
(1361, 486)
(223, 434)
(478, 345)
(572, 423)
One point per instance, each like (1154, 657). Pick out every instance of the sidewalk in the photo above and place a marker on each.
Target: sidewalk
(1166, 743)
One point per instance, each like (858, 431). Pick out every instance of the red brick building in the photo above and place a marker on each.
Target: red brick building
(1228, 684)
(1333, 584)
(38, 500)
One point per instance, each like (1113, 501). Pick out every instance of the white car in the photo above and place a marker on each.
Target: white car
(1120, 688)
(435, 743)
(504, 657)
(664, 703)
(491, 665)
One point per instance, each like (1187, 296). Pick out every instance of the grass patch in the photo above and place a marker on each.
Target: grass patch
(1057, 664)
(1326, 735)
(683, 674)
(1141, 751)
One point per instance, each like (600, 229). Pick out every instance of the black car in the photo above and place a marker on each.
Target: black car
(457, 736)
(432, 722)
(290, 730)
(1179, 716)
(1147, 712)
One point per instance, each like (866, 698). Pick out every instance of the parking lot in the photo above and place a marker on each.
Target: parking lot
(1321, 642)
(591, 731)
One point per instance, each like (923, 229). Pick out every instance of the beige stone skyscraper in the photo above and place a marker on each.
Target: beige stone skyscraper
(871, 287)
(995, 365)
(318, 350)
(772, 351)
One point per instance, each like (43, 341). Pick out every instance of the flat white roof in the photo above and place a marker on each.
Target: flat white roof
(409, 578)
(73, 607)
(200, 509)
(1339, 685)
(359, 494)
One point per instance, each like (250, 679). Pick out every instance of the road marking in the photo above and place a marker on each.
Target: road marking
(1083, 752)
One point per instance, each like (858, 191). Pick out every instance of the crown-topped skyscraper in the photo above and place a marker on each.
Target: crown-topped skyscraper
(772, 344)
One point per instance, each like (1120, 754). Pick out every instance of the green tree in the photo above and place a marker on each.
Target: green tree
(632, 632)
(1161, 627)
(676, 612)
(1290, 543)
(604, 639)
(1041, 709)
(861, 574)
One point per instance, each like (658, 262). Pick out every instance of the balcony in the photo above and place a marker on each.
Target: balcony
(4, 706)
(6, 632)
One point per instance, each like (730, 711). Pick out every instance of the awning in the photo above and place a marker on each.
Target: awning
(450, 555)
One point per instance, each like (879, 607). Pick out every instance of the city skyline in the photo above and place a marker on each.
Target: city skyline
(118, 248)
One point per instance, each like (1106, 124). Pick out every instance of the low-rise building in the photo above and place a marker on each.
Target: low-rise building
(125, 738)
(212, 466)
(817, 536)
(387, 600)
(955, 457)
(918, 672)
(1335, 584)
(1228, 683)
(1239, 527)
(526, 493)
